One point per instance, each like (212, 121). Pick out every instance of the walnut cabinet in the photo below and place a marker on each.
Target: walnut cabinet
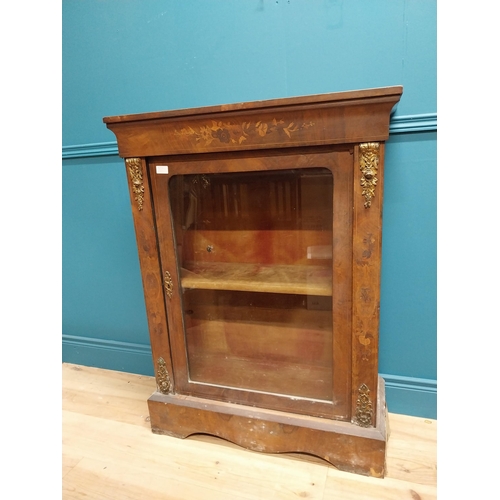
(259, 235)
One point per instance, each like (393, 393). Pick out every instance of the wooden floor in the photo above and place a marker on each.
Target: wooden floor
(109, 452)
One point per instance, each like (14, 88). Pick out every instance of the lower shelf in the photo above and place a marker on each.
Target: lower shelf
(346, 446)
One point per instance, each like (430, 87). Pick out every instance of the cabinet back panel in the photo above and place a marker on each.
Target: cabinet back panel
(258, 247)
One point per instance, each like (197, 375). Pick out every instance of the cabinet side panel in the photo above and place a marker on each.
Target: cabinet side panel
(367, 233)
(142, 211)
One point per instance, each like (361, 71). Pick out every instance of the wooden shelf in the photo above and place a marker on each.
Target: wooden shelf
(307, 280)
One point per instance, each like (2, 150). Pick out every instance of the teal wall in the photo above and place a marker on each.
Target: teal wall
(131, 56)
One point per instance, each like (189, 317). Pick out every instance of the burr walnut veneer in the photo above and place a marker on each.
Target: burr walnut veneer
(259, 234)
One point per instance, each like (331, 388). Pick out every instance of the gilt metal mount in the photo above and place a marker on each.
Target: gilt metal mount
(162, 378)
(135, 172)
(368, 164)
(169, 285)
(364, 408)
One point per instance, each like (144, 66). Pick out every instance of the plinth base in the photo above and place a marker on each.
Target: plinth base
(346, 446)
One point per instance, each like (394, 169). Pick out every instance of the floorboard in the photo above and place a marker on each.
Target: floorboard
(109, 452)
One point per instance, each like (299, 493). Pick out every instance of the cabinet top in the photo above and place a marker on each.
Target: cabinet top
(333, 98)
(333, 118)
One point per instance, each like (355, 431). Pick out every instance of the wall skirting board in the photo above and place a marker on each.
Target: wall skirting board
(108, 354)
(424, 122)
(404, 395)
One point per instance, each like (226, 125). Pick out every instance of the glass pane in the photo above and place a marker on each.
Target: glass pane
(255, 257)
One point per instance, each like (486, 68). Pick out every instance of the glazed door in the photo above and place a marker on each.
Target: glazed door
(256, 256)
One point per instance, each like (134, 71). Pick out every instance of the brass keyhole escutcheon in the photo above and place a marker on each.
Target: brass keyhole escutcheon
(169, 285)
